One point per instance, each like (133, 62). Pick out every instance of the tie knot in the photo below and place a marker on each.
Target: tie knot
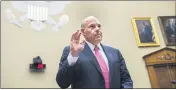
(96, 48)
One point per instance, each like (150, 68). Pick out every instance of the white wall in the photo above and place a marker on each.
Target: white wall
(20, 45)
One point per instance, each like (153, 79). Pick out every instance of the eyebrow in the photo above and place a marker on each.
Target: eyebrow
(94, 24)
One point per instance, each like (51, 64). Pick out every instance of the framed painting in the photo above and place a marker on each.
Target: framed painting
(145, 32)
(168, 29)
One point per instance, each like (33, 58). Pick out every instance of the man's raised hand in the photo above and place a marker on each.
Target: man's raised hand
(75, 46)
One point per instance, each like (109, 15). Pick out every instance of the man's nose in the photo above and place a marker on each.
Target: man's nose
(97, 28)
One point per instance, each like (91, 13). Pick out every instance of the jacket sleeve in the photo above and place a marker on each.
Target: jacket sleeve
(65, 73)
(126, 81)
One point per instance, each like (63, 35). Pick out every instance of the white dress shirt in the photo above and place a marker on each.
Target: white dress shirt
(72, 60)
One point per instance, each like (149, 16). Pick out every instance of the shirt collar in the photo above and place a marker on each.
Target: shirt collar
(92, 46)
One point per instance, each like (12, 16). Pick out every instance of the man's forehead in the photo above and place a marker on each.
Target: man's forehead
(92, 22)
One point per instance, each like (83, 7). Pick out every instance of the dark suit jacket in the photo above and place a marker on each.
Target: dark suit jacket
(146, 35)
(169, 32)
(86, 72)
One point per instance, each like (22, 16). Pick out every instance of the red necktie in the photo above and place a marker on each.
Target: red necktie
(103, 66)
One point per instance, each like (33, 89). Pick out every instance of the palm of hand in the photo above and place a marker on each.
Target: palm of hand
(75, 46)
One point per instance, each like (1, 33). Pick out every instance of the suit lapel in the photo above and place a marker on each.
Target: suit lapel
(110, 58)
(89, 54)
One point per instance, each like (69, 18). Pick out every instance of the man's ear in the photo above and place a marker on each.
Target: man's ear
(82, 31)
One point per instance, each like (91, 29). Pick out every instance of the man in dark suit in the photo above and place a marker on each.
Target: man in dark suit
(171, 31)
(90, 64)
(146, 35)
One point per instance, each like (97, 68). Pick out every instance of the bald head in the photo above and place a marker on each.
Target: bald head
(87, 20)
(91, 30)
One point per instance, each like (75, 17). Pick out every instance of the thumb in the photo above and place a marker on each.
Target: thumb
(83, 42)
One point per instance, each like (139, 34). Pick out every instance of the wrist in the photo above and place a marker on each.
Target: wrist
(74, 54)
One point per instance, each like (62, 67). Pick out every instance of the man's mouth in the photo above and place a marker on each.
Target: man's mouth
(98, 35)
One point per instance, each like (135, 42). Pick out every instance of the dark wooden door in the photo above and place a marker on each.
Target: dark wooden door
(166, 75)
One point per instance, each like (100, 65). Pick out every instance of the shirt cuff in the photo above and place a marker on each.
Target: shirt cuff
(71, 60)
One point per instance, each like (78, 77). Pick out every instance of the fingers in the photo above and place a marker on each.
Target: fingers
(73, 36)
(76, 35)
(79, 34)
(83, 42)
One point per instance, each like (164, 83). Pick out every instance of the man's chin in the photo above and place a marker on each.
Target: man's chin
(98, 39)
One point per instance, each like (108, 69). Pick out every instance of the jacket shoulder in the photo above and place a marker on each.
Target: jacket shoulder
(111, 48)
(66, 48)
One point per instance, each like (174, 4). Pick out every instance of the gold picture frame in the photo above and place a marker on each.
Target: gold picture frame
(145, 32)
